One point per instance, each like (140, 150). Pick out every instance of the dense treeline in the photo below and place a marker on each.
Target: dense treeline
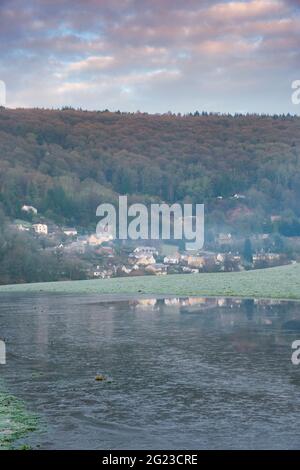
(67, 162)
(23, 259)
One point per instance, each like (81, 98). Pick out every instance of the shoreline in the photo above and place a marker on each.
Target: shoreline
(15, 421)
(99, 298)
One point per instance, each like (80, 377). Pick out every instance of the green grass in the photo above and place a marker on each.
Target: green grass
(15, 421)
(278, 283)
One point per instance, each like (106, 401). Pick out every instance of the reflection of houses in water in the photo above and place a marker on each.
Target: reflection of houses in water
(172, 302)
(225, 312)
(147, 303)
(198, 304)
(2, 352)
(191, 303)
(144, 304)
(197, 301)
(221, 302)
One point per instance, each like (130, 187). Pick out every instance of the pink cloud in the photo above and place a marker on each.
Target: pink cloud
(168, 46)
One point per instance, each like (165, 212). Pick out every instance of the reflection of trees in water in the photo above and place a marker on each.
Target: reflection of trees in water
(292, 325)
(248, 306)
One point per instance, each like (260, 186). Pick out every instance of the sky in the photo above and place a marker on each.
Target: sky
(151, 55)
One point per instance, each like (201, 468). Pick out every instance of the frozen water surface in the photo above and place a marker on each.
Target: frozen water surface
(181, 373)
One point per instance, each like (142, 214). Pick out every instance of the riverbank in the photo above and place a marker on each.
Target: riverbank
(15, 421)
(274, 283)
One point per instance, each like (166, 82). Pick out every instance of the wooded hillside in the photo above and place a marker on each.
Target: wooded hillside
(67, 162)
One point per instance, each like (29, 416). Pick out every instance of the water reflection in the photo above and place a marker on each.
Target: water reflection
(185, 372)
(259, 310)
(204, 303)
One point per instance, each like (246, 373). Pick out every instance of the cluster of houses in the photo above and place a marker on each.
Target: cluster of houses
(147, 260)
(100, 250)
(40, 228)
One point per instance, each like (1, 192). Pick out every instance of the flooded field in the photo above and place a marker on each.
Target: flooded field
(189, 373)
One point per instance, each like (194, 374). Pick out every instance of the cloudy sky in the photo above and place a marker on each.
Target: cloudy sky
(151, 55)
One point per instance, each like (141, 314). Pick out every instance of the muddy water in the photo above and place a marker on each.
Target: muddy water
(181, 373)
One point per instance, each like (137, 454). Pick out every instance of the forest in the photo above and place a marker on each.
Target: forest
(65, 163)
(244, 168)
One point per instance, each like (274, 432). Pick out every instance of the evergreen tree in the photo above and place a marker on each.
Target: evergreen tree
(248, 252)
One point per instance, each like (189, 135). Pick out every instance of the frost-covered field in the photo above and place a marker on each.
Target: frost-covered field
(280, 283)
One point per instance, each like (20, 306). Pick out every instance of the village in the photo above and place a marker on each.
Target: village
(104, 257)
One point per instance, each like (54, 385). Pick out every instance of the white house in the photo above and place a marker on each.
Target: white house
(173, 259)
(70, 232)
(41, 229)
(29, 209)
(146, 250)
(22, 228)
(98, 274)
(221, 257)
